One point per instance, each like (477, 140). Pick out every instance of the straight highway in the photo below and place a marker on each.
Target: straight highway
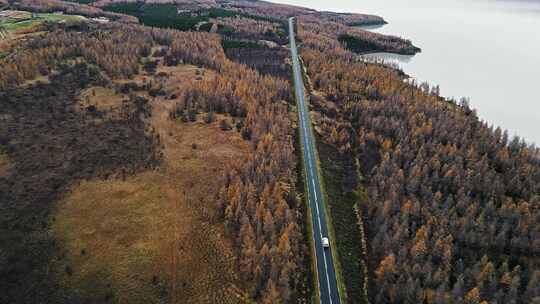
(326, 272)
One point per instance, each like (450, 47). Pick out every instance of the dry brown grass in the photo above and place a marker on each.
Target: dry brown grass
(5, 165)
(5, 45)
(16, 39)
(38, 79)
(205, 261)
(152, 237)
(182, 75)
(104, 99)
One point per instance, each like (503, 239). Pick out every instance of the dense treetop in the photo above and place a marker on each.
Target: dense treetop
(453, 203)
(258, 201)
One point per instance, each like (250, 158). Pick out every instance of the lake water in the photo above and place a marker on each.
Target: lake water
(487, 50)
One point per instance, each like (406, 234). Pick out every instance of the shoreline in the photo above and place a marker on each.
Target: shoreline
(411, 51)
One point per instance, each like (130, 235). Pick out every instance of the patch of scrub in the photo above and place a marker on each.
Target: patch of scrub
(5, 164)
(101, 98)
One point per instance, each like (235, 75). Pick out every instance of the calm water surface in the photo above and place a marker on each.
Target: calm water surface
(486, 50)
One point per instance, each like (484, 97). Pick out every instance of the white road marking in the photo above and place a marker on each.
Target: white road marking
(308, 145)
(314, 190)
(327, 278)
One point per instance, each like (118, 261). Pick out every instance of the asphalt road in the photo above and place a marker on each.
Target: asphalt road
(325, 265)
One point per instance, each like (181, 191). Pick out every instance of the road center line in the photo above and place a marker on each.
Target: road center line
(309, 156)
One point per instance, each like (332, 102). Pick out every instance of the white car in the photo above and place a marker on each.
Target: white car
(325, 242)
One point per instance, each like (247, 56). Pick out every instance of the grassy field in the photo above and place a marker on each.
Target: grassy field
(103, 99)
(19, 20)
(152, 237)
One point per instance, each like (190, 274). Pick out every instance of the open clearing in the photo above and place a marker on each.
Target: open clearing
(152, 237)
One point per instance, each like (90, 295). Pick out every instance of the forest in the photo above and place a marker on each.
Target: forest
(248, 39)
(251, 29)
(53, 145)
(432, 204)
(352, 38)
(166, 16)
(452, 203)
(257, 203)
(266, 60)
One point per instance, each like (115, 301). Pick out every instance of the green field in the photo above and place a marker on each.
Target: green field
(26, 20)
